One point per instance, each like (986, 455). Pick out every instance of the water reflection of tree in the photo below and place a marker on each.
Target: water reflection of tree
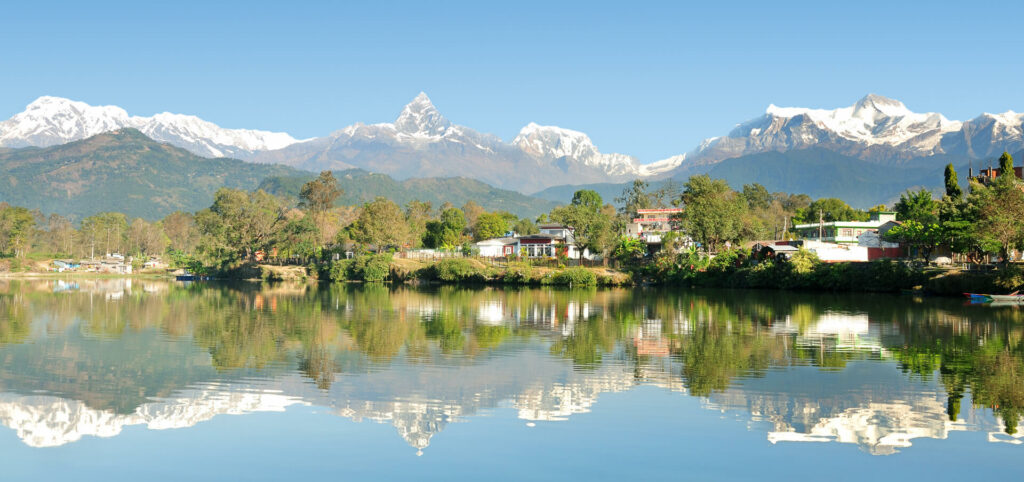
(718, 336)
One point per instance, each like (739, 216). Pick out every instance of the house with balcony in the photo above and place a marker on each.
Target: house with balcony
(651, 225)
(845, 232)
(551, 241)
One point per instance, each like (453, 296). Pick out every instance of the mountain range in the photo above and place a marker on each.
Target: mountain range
(124, 170)
(879, 132)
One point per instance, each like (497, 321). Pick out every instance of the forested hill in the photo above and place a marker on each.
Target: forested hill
(816, 172)
(123, 171)
(360, 186)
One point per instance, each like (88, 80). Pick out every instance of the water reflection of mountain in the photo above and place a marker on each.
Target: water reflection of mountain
(804, 369)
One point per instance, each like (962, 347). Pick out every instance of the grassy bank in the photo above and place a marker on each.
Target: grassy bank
(801, 273)
(804, 272)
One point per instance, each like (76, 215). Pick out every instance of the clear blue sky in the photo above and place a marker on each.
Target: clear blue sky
(645, 79)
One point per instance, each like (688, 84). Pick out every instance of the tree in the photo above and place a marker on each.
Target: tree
(831, 209)
(757, 196)
(952, 184)
(584, 215)
(182, 231)
(17, 230)
(381, 223)
(635, 197)
(472, 210)
(104, 233)
(298, 237)
(712, 212)
(917, 206)
(924, 237)
(1006, 166)
(998, 214)
(239, 223)
(145, 238)
(524, 227)
(60, 234)
(318, 195)
(417, 215)
(490, 225)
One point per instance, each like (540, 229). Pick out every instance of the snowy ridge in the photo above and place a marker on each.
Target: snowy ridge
(875, 128)
(49, 121)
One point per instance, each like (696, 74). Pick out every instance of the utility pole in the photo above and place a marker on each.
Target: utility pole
(821, 224)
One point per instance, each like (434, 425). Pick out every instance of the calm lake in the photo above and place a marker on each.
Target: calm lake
(149, 380)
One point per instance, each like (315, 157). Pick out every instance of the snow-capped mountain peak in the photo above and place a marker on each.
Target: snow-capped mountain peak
(551, 142)
(420, 117)
(51, 120)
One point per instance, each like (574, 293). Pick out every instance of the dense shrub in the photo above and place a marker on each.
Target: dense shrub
(375, 268)
(371, 268)
(341, 270)
(576, 276)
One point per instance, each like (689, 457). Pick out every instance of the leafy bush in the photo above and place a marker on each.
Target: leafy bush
(375, 268)
(576, 276)
(341, 270)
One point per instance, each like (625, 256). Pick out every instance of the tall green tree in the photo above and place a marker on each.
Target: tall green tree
(757, 196)
(104, 233)
(712, 212)
(318, 195)
(17, 230)
(490, 225)
(831, 209)
(917, 206)
(997, 212)
(636, 196)
(380, 223)
(447, 232)
(239, 223)
(1006, 166)
(952, 183)
(590, 225)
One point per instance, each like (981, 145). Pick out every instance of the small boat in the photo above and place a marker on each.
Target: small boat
(1015, 297)
(1012, 297)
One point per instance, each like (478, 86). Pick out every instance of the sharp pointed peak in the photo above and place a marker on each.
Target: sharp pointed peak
(421, 117)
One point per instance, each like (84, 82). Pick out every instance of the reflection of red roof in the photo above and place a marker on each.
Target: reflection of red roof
(661, 210)
(651, 347)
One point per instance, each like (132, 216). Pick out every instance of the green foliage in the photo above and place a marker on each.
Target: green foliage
(952, 184)
(446, 233)
(712, 213)
(17, 230)
(456, 270)
(917, 206)
(831, 209)
(757, 196)
(591, 226)
(374, 268)
(380, 223)
(370, 268)
(1006, 166)
(319, 195)
(575, 276)
(924, 237)
(630, 249)
(490, 225)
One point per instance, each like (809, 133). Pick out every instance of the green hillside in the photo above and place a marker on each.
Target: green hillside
(360, 186)
(122, 171)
